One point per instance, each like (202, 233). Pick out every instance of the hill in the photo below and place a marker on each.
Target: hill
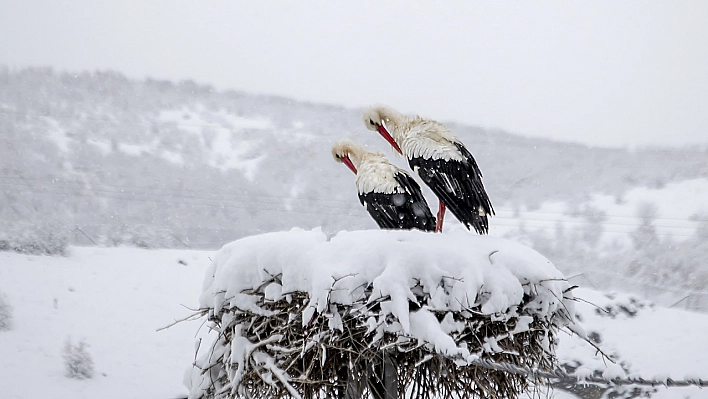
(184, 162)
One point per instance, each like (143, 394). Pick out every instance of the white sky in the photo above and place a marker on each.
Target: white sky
(601, 72)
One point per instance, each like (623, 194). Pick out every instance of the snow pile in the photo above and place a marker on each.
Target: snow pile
(299, 314)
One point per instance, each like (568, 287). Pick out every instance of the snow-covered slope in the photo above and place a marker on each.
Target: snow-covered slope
(679, 210)
(113, 155)
(117, 298)
(649, 240)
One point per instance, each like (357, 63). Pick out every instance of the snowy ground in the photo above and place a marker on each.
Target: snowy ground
(114, 298)
(654, 343)
(117, 298)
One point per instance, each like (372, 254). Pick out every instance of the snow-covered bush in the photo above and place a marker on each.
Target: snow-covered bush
(141, 236)
(584, 360)
(34, 240)
(77, 360)
(5, 313)
(298, 315)
(626, 305)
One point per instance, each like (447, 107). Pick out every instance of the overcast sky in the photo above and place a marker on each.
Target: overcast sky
(629, 73)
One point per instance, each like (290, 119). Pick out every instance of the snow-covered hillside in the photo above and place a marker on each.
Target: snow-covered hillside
(680, 211)
(175, 164)
(649, 240)
(116, 299)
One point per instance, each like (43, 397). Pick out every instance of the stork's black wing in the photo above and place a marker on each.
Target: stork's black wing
(458, 184)
(406, 209)
(416, 206)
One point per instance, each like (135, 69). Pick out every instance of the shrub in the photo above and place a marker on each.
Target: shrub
(141, 236)
(34, 240)
(77, 360)
(5, 313)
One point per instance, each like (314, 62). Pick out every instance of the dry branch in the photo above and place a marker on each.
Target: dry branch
(286, 358)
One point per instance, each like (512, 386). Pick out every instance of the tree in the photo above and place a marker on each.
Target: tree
(645, 236)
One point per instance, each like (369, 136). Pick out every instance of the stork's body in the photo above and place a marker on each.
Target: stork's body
(390, 195)
(441, 161)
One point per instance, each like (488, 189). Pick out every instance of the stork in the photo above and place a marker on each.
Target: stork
(441, 161)
(390, 195)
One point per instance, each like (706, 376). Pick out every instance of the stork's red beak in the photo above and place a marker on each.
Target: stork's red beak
(349, 164)
(383, 132)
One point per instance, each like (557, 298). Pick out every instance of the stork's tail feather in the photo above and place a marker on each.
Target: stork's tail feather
(460, 188)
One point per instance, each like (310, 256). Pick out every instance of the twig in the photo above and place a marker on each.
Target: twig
(191, 317)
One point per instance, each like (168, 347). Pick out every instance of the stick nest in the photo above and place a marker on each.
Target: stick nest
(271, 353)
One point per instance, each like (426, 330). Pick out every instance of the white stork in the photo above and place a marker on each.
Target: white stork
(441, 160)
(390, 195)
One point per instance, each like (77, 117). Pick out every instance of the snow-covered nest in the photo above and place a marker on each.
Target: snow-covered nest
(301, 315)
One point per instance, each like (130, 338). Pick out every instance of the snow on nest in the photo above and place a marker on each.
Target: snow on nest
(456, 271)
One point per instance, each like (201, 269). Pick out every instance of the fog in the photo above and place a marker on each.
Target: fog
(603, 73)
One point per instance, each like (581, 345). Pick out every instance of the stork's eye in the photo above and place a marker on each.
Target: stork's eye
(371, 121)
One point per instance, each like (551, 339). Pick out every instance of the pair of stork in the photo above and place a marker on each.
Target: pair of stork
(393, 198)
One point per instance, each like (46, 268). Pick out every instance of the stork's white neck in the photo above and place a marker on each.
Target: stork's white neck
(421, 138)
(376, 174)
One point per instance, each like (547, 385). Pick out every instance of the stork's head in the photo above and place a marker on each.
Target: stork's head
(348, 152)
(375, 118)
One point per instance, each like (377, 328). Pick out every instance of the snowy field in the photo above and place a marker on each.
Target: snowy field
(116, 299)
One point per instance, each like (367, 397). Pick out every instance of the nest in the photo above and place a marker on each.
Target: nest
(270, 352)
